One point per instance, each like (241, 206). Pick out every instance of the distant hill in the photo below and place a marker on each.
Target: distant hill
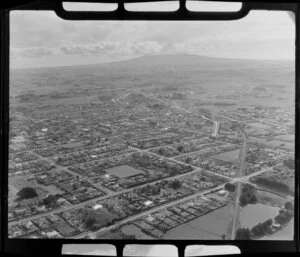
(176, 60)
(190, 60)
(169, 59)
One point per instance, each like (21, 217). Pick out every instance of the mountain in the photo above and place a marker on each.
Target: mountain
(189, 60)
(167, 59)
(176, 60)
(172, 60)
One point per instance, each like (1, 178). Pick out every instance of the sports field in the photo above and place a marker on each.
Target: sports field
(123, 171)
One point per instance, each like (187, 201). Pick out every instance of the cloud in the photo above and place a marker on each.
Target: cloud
(112, 48)
(32, 52)
(195, 46)
(148, 47)
(44, 29)
(106, 48)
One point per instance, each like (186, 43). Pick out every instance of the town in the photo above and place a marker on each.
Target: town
(142, 163)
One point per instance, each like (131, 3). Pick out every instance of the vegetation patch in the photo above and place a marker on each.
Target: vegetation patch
(248, 195)
(26, 193)
(96, 220)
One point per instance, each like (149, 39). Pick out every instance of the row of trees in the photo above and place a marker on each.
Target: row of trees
(259, 230)
(286, 214)
(262, 228)
(243, 234)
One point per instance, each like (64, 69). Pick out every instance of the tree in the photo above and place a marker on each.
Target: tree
(229, 187)
(51, 200)
(268, 223)
(27, 193)
(282, 211)
(243, 201)
(280, 219)
(290, 163)
(160, 151)
(203, 179)
(90, 222)
(188, 160)
(258, 230)
(180, 148)
(289, 206)
(175, 184)
(284, 217)
(252, 199)
(243, 234)
(248, 195)
(96, 220)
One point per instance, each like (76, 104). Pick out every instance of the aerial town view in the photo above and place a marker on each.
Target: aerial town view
(158, 146)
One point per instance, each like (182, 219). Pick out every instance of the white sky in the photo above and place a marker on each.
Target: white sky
(40, 38)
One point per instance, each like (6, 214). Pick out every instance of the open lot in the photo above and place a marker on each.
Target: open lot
(290, 146)
(228, 156)
(269, 198)
(288, 137)
(252, 214)
(259, 125)
(17, 183)
(209, 227)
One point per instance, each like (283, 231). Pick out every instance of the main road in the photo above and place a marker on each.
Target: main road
(240, 173)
